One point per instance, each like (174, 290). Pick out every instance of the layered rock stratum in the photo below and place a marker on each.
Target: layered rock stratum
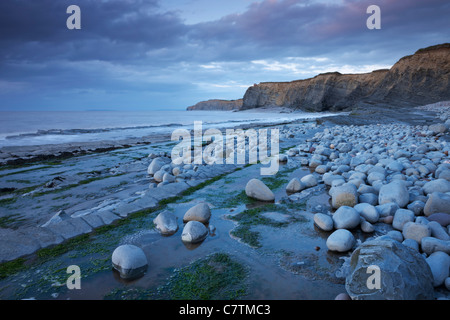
(418, 79)
(216, 104)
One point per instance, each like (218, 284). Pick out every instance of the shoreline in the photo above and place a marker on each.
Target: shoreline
(127, 195)
(19, 155)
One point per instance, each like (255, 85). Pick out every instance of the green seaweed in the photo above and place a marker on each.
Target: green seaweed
(11, 221)
(57, 250)
(216, 277)
(11, 267)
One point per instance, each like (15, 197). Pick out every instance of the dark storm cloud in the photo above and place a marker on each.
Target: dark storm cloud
(136, 47)
(112, 29)
(308, 28)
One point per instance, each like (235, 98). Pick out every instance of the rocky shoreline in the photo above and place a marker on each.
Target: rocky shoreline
(387, 180)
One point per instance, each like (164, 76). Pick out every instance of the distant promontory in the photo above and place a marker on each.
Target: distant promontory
(418, 79)
(216, 104)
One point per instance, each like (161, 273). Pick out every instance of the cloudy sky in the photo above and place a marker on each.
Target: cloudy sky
(170, 54)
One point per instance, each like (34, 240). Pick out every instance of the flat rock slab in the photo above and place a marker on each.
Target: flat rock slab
(168, 190)
(70, 228)
(15, 244)
(277, 217)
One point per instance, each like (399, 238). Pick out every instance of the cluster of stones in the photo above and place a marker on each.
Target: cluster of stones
(164, 171)
(131, 262)
(392, 174)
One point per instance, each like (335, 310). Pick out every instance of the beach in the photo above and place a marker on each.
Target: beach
(61, 208)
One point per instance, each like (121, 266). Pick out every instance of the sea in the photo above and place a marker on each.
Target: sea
(26, 128)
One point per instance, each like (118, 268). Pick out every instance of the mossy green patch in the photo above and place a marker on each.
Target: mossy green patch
(11, 267)
(216, 277)
(11, 221)
(6, 201)
(51, 252)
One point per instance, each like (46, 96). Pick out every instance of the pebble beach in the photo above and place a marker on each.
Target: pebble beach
(349, 196)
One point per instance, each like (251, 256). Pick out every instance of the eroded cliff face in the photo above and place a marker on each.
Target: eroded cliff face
(418, 79)
(219, 105)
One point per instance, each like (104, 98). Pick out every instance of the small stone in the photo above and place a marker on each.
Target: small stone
(200, 212)
(411, 243)
(439, 263)
(166, 223)
(442, 218)
(438, 231)
(346, 218)
(394, 192)
(387, 209)
(416, 207)
(344, 195)
(447, 283)
(367, 227)
(341, 240)
(194, 232)
(387, 219)
(437, 202)
(323, 221)
(438, 185)
(431, 244)
(329, 177)
(167, 177)
(342, 296)
(295, 185)
(369, 198)
(256, 189)
(416, 231)
(368, 212)
(437, 128)
(309, 181)
(396, 235)
(159, 175)
(155, 165)
(401, 217)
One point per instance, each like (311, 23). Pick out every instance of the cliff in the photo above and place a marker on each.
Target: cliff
(215, 104)
(418, 79)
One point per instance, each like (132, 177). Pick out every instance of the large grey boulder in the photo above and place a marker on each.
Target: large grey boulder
(166, 223)
(130, 261)
(344, 195)
(437, 202)
(346, 218)
(200, 212)
(256, 189)
(395, 191)
(403, 272)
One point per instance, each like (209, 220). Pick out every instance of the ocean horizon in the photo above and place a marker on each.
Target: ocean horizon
(26, 128)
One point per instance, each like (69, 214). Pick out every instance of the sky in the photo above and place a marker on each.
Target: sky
(170, 54)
